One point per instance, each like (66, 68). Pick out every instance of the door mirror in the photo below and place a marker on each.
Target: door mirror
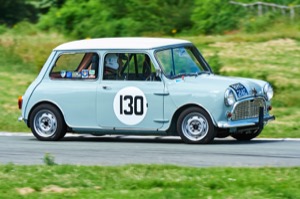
(158, 73)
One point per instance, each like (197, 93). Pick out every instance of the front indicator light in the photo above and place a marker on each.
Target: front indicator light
(270, 108)
(20, 101)
(229, 114)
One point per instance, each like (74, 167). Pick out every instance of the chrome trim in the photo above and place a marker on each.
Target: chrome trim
(245, 123)
(20, 119)
(161, 120)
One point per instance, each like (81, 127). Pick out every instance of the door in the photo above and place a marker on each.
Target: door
(130, 96)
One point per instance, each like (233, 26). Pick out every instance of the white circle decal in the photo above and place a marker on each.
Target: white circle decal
(130, 105)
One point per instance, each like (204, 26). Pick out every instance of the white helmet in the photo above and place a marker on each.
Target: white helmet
(111, 60)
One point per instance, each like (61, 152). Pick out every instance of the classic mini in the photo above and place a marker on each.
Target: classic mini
(141, 86)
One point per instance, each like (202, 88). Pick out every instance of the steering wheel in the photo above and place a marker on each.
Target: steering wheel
(110, 71)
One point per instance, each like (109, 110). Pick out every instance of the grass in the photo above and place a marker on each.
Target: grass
(147, 181)
(272, 56)
(21, 57)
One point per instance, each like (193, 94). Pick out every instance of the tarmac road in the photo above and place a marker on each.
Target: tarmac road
(24, 149)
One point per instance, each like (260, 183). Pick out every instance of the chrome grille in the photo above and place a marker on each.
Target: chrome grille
(247, 109)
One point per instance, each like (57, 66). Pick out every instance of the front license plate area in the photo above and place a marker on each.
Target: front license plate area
(240, 90)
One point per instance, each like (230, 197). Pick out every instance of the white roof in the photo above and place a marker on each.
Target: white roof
(120, 43)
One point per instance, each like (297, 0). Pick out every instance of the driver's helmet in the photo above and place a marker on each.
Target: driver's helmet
(111, 61)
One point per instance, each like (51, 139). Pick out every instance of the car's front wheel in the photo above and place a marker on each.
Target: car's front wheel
(47, 123)
(195, 126)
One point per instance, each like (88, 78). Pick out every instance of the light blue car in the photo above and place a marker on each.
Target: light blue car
(141, 86)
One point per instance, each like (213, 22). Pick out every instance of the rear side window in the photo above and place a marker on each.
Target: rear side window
(78, 66)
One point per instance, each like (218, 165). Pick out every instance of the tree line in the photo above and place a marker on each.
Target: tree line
(102, 18)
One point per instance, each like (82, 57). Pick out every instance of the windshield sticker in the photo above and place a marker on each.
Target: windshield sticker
(92, 74)
(85, 73)
(63, 73)
(69, 74)
(130, 105)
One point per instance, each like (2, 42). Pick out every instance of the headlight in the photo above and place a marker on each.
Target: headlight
(268, 92)
(229, 97)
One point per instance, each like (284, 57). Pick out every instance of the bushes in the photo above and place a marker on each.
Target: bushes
(22, 50)
(94, 18)
(12, 12)
(115, 18)
(215, 16)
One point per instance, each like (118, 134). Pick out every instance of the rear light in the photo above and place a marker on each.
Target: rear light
(20, 101)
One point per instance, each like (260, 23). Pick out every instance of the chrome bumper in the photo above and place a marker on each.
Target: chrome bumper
(20, 119)
(246, 122)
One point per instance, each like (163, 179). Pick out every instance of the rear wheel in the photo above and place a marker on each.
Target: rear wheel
(47, 123)
(248, 135)
(195, 126)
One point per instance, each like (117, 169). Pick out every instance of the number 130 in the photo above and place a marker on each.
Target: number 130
(135, 105)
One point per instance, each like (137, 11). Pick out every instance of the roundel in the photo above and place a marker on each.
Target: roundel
(130, 105)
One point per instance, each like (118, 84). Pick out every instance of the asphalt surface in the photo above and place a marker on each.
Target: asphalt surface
(24, 149)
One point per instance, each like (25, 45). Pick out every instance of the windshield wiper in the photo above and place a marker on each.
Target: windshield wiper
(190, 74)
(204, 72)
(178, 75)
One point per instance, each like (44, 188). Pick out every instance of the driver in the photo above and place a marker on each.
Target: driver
(114, 62)
(111, 63)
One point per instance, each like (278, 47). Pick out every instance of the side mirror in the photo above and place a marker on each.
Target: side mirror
(158, 73)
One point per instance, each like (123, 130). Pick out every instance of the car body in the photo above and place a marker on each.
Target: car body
(141, 86)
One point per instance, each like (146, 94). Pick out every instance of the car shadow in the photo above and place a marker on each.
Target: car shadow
(159, 140)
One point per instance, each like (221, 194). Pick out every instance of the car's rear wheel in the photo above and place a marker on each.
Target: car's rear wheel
(195, 126)
(47, 123)
(249, 135)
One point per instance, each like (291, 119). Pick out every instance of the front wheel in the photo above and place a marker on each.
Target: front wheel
(47, 123)
(195, 126)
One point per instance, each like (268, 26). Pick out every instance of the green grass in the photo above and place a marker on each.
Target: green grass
(273, 56)
(21, 57)
(147, 181)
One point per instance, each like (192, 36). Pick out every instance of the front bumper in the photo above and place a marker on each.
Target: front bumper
(260, 121)
(20, 119)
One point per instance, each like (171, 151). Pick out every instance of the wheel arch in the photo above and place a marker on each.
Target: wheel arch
(44, 102)
(172, 128)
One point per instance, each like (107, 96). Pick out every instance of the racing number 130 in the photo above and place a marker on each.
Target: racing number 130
(135, 105)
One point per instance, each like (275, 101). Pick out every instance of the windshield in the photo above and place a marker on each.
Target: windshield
(182, 61)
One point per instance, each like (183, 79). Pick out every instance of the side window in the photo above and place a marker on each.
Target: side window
(76, 66)
(129, 66)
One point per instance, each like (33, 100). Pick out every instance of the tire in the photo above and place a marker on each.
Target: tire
(195, 126)
(249, 135)
(47, 123)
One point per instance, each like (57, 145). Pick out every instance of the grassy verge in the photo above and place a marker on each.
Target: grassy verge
(137, 181)
(21, 57)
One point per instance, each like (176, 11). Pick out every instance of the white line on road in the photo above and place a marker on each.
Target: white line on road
(137, 137)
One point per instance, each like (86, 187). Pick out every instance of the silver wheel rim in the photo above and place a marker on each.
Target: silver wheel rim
(195, 126)
(45, 123)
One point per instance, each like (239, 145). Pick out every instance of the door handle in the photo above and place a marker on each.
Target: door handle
(106, 87)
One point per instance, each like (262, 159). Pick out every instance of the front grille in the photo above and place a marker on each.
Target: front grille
(247, 109)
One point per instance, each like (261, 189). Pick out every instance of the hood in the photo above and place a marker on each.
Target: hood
(243, 87)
